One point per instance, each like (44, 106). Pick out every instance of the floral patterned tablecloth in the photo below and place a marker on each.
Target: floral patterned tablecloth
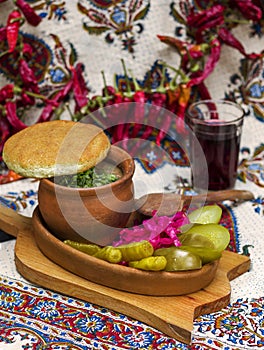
(32, 317)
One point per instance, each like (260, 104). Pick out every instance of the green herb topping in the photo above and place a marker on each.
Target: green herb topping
(88, 178)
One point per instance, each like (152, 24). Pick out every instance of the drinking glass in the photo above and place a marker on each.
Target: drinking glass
(217, 126)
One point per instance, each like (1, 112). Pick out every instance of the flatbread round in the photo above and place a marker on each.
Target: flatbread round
(55, 148)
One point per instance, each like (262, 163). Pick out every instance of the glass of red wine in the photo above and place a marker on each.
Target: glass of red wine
(217, 127)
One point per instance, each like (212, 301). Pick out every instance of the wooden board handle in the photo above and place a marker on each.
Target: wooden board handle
(11, 222)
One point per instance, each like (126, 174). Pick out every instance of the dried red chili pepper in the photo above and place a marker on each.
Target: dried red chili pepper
(5, 132)
(164, 127)
(210, 64)
(228, 38)
(11, 115)
(139, 98)
(128, 96)
(27, 49)
(172, 98)
(80, 90)
(117, 114)
(109, 93)
(25, 99)
(108, 90)
(158, 101)
(203, 18)
(155, 117)
(10, 176)
(184, 93)
(248, 9)
(5, 127)
(12, 29)
(27, 75)
(182, 47)
(190, 53)
(31, 16)
(203, 92)
(47, 112)
(214, 23)
(2, 33)
(51, 105)
(122, 128)
(7, 92)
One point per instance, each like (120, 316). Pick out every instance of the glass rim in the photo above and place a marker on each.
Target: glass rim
(192, 107)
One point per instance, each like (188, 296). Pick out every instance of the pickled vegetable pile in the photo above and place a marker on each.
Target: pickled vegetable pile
(200, 240)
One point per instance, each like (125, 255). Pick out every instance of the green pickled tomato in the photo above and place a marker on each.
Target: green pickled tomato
(164, 251)
(150, 263)
(89, 249)
(195, 240)
(136, 250)
(217, 234)
(206, 254)
(181, 260)
(209, 214)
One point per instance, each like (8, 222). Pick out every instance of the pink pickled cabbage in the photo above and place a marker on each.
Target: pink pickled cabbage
(160, 231)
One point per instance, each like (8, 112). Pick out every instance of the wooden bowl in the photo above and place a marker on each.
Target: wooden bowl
(90, 214)
(117, 276)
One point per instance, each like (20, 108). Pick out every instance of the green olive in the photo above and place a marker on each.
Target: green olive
(209, 214)
(206, 254)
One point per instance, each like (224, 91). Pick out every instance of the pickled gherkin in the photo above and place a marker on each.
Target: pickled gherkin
(136, 250)
(107, 253)
(150, 263)
(110, 254)
(89, 249)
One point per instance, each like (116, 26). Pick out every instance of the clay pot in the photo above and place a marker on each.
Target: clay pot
(90, 214)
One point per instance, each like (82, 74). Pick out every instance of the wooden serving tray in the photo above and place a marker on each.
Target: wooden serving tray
(173, 315)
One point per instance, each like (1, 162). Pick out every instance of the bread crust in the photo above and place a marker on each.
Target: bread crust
(55, 148)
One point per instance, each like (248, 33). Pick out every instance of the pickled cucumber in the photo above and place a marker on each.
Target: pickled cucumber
(217, 234)
(195, 240)
(89, 249)
(107, 253)
(150, 263)
(136, 250)
(110, 254)
(209, 214)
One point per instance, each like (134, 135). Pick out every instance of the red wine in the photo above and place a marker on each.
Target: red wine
(217, 126)
(220, 145)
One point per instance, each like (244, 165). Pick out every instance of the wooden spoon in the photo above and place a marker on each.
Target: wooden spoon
(169, 203)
